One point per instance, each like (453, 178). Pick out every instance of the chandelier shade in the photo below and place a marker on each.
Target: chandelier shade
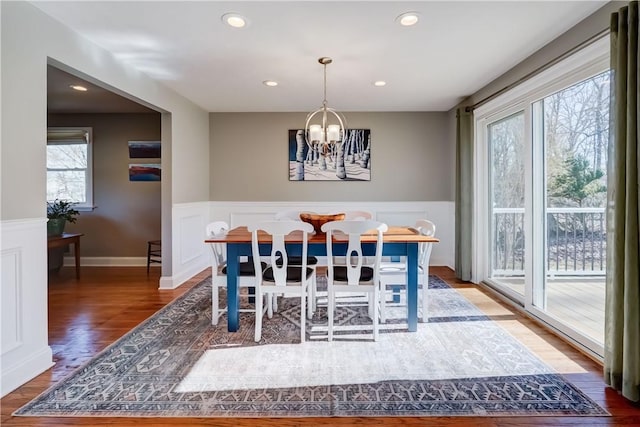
(325, 126)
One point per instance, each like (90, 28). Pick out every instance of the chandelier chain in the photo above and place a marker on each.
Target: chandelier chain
(324, 102)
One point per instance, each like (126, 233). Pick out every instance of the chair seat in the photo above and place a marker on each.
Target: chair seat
(246, 268)
(340, 274)
(297, 260)
(294, 274)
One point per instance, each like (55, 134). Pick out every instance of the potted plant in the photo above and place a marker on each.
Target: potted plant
(59, 213)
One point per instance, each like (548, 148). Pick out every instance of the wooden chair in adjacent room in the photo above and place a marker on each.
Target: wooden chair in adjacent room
(154, 253)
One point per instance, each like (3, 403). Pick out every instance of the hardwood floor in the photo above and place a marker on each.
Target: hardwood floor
(87, 315)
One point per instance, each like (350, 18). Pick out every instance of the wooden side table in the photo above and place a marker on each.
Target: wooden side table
(67, 239)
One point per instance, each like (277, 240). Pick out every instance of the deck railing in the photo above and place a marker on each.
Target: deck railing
(575, 241)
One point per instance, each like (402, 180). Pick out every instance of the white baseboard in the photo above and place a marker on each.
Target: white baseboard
(174, 281)
(28, 368)
(109, 262)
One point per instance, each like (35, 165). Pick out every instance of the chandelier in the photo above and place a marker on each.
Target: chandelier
(332, 127)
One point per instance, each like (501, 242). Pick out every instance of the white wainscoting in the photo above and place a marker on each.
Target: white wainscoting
(191, 255)
(25, 352)
(187, 246)
(393, 213)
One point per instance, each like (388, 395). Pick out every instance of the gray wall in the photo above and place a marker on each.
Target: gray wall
(127, 213)
(596, 23)
(412, 159)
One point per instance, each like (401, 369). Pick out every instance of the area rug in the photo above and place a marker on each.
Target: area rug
(176, 364)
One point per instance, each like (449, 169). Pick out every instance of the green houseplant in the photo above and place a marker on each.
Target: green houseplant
(59, 212)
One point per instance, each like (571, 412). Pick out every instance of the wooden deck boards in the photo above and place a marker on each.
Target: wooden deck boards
(577, 301)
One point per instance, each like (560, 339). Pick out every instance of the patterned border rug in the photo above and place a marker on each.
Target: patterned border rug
(176, 364)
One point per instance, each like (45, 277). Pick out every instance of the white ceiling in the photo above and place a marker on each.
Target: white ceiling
(456, 48)
(62, 99)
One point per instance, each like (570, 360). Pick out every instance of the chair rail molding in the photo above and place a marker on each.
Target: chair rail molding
(25, 351)
(440, 213)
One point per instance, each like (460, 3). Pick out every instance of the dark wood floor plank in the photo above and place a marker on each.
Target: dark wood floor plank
(86, 316)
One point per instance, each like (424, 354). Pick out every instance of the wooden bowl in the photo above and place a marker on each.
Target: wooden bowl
(317, 220)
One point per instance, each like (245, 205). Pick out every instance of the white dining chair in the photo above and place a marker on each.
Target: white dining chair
(355, 276)
(353, 215)
(312, 261)
(288, 215)
(246, 272)
(282, 278)
(393, 275)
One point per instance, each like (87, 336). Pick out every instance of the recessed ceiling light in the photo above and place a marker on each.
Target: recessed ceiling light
(379, 83)
(408, 19)
(270, 83)
(235, 20)
(78, 87)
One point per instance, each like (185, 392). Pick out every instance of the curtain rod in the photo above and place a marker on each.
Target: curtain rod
(538, 70)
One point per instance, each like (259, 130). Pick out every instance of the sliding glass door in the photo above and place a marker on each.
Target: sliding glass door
(541, 193)
(507, 157)
(575, 123)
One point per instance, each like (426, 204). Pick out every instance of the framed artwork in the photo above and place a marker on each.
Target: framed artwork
(349, 160)
(144, 172)
(144, 149)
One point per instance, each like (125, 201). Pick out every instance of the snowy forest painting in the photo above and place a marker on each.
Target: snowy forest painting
(349, 160)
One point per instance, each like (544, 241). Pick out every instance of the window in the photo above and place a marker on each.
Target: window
(69, 166)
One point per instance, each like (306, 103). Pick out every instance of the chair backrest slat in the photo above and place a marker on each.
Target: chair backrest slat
(354, 258)
(279, 259)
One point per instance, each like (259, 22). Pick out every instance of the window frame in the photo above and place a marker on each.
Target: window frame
(88, 205)
(587, 62)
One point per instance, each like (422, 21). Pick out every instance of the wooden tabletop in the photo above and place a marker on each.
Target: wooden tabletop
(398, 234)
(64, 236)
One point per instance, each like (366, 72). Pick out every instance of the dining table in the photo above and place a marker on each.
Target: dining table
(398, 241)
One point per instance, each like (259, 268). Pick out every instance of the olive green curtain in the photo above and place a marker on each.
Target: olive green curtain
(464, 192)
(622, 313)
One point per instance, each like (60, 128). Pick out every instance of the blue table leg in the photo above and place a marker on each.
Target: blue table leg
(412, 286)
(233, 297)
